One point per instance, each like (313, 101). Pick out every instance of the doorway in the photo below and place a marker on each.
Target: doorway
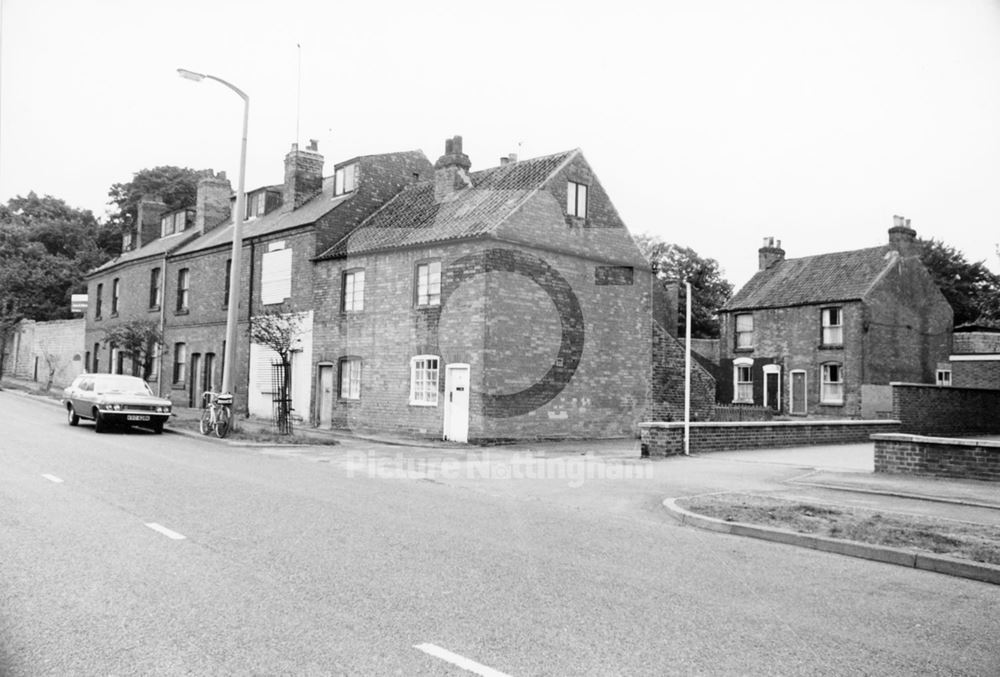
(325, 395)
(772, 387)
(194, 398)
(456, 403)
(798, 392)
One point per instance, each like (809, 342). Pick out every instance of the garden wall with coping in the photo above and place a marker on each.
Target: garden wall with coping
(937, 456)
(667, 438)
(925, 409)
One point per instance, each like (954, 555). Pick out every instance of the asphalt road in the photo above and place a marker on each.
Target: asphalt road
(315, 562)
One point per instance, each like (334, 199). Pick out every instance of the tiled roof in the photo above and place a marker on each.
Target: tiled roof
(279, 219)
(841, 276)
(157, 247)
(414, 217)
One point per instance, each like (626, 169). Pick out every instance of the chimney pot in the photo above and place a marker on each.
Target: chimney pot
(770, 254)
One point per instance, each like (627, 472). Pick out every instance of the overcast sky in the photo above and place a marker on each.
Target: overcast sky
(710, 123)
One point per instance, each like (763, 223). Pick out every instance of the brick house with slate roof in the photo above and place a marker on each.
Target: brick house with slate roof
(177, 271)
(825, 335)
(507, 303)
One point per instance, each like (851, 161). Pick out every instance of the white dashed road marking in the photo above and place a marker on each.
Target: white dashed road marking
(52, 478)
(165, 531)
(460, 661)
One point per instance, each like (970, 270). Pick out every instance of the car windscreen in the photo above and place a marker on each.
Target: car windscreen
(121, 386)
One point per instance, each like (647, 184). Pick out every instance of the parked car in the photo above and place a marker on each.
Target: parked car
(111, 399)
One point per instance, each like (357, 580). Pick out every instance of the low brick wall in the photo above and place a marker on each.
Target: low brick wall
(937, 456)
(935, 410)
(667, 439)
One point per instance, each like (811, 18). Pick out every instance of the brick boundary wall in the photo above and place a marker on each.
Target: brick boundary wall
(925, 409)
(667, 439)
(937, 456)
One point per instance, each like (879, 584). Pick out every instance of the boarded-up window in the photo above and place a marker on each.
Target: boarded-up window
(276, 276)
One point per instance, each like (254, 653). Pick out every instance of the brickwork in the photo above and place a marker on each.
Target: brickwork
(937, 410)
(541, 364)
(975, 373)
(937, 457)
(667, 439)
(976, 342)
(667, 383)
(900, 331)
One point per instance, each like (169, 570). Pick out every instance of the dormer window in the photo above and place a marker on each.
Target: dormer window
(576, 199)
(345, 179)
(256, 204)
(174, 222)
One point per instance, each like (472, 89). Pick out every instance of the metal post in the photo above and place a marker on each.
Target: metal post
(687, 374)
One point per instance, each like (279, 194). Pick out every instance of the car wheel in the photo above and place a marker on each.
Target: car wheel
(158, 427)
(71, 416)
(100, 425)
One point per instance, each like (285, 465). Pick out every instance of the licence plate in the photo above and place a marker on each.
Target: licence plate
(136, 417)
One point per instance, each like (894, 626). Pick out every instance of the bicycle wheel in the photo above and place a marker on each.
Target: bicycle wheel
(222, 422)
(205, 425)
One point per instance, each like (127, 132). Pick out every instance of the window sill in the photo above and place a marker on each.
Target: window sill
(830, 346)
(154, 309)
(182, 311)
(831, 404)
(427, 306)
(742, 401)
(423, 404)
(743, 350)
(349, 400)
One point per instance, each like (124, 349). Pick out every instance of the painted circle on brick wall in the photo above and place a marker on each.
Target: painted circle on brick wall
(567, 305)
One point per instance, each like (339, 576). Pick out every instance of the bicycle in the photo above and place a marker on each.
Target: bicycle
(217, 414)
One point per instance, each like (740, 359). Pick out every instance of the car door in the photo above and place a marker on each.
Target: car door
(82, 396)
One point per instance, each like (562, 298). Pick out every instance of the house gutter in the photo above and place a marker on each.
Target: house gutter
(163, 326)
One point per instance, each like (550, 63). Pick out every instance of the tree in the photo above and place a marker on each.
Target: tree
(279, 332)
(709, 289)
(140, 339)
(971, 288)
(176, 186)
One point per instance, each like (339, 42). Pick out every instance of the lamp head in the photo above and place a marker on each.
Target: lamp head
(190, 75)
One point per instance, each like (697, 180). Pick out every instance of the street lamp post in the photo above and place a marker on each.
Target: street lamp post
(229, 357)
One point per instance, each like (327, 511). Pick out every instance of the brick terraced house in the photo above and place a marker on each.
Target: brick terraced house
(178, 272)
(824, 335)
(507, 303)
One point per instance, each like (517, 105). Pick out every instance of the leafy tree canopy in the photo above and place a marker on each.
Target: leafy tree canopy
(139, 339)
(46, 247)
(709, 289)
(971, 288)
(176, 186)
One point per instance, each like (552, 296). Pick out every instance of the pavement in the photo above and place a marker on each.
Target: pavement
(832, 474)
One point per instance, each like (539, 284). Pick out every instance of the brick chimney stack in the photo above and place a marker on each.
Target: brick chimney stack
(451, 171)
(303, 175)
(770, 254)
(147, 228)
(902, 238)
(212, 206)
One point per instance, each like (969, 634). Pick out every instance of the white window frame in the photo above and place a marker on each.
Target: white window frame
(576, 199)
(353, 295)
(943, 377)
(345, 179)
(116, 289)
(428, 283)
(349, 373)
(425, 374)
(830, 391)
(743, 388)
(276, 276)
(833, 332)
(744, 335)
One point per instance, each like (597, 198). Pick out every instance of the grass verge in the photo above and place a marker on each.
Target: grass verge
(976, 542)
(252, 432)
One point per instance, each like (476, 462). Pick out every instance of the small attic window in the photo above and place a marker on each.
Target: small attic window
(345, 179)
(256, 204)
(576, 199)
(174, 222)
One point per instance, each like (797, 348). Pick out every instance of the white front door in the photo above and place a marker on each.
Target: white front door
(325, 395)
(456, 403)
